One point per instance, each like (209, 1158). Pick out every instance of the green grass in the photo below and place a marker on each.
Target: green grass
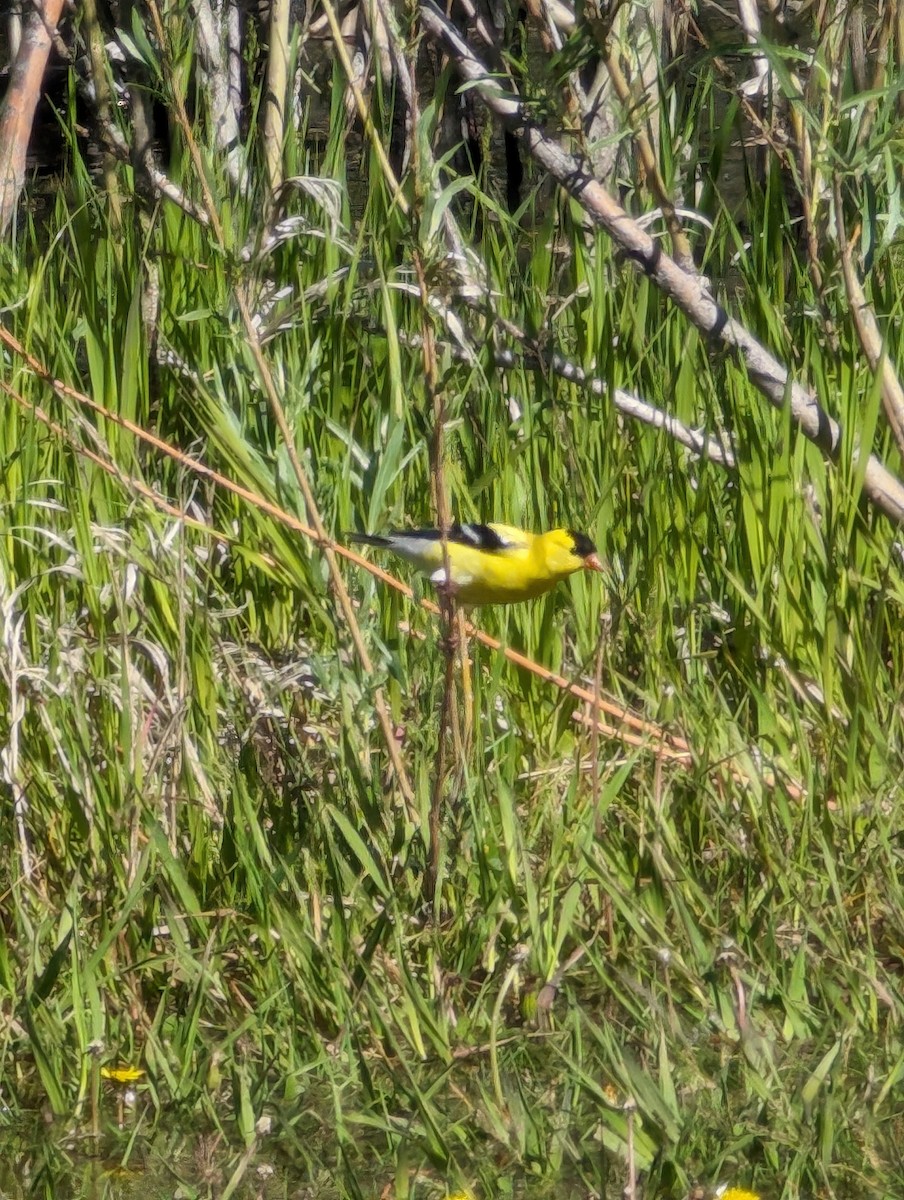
(225, 880)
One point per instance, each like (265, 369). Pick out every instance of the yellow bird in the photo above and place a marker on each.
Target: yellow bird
(491, 564)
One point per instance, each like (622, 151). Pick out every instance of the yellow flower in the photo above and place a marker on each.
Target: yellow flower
(737, 1194)
(122, 1074)
(460, 1195)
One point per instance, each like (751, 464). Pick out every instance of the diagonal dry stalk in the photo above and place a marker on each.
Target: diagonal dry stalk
(691, 293)
(642, 140)
(625, 726)
(628, 727)
(370, 130)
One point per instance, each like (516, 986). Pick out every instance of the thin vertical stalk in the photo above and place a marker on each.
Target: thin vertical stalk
(452, 621)
(447, 722)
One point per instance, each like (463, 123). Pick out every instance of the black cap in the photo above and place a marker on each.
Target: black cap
(582, 544)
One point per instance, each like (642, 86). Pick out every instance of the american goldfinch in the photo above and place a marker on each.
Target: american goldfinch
(491, 564)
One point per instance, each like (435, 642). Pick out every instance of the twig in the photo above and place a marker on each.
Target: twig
(630, 1108)
(595, 731)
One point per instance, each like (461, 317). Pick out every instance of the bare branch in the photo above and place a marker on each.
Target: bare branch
(715, 448)
(18, 110)
(690, 293)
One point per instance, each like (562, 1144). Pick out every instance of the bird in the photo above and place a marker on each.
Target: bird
(490, 564)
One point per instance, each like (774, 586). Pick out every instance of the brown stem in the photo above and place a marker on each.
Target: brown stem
(447, 607)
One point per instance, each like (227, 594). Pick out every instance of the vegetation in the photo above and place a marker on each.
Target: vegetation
(380, 923)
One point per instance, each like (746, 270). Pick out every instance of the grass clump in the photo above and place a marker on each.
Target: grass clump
(638, 971)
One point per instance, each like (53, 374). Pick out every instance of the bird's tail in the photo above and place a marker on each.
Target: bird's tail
(367, 539)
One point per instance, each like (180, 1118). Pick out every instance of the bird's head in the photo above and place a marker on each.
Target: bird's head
(572, 551)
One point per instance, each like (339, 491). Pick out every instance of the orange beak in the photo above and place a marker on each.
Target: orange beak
(592, 563)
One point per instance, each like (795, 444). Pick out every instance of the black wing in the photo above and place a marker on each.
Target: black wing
(479, 537)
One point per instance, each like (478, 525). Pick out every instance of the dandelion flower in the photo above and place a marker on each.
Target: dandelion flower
(122, 1074)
